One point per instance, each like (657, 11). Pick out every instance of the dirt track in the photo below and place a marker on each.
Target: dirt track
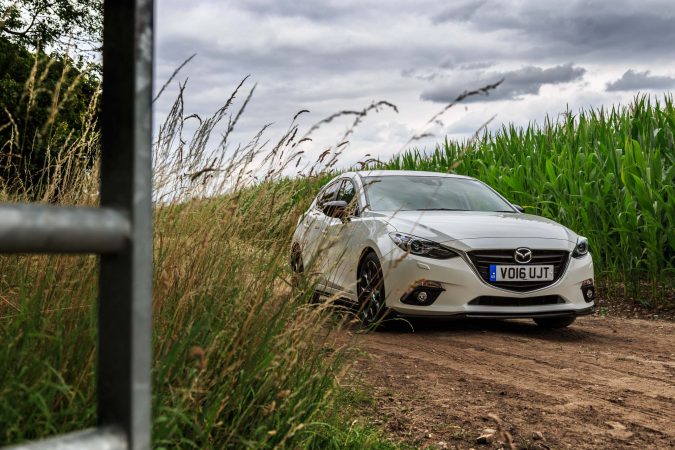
(602, 383)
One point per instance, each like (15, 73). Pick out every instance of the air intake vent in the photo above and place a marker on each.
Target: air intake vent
(489, 300)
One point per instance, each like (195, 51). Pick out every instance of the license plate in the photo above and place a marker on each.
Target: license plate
(521, 273)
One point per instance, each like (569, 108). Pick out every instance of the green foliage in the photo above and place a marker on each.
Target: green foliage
(341, 429)
(45, 367)
(44, 101)
(241, 360)
(608, 175)
(75, 24)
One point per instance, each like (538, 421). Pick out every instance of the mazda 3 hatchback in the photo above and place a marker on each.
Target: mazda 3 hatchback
(434, 244)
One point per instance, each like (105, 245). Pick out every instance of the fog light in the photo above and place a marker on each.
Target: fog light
(422, 297)
(422, 293)
(588, 290)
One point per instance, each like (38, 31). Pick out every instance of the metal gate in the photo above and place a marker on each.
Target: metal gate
(120, 231)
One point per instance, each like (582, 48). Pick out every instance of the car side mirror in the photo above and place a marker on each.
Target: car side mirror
(336, 209)
(519, 208)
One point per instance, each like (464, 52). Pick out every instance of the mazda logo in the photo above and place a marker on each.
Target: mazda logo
(522, 255)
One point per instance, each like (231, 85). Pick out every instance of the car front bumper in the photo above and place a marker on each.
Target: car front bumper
(459, 286)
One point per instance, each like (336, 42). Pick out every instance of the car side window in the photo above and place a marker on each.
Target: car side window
(328, 194)
(348, 194)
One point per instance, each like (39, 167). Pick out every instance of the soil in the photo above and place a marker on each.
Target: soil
(618, 305)
(605, 382)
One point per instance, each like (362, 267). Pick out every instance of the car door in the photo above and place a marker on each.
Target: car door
(342, 236)
(314, 224)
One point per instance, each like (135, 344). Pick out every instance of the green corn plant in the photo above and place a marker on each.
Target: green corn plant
(607, 174)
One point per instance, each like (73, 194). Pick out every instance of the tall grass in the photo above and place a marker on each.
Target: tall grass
(607, 174)
(240, 358)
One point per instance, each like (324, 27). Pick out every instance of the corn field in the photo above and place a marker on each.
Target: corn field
(607, 174)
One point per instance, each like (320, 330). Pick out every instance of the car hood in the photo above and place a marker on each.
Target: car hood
(446, 226)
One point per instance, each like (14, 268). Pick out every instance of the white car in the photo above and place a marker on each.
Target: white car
(434, 244)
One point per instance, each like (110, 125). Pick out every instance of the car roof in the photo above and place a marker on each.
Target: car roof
(417, 173)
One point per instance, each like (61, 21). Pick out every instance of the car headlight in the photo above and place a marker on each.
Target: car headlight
(422, 247)
(581, 249)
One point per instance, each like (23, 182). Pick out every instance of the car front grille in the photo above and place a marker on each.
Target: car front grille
(482, 259)
(490, 300)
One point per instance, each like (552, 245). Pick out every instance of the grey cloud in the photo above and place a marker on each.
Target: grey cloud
(407, 73)
(318, 11)
(435, 74)
(523, 81)
(476, 65)
(460, 11)
(447, 63)
(598, 29)
(633, 81)
(420, 75)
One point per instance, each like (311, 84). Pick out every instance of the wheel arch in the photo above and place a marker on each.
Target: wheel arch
(366, 250)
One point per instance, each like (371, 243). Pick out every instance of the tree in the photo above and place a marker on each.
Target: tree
(45, 88)
(45, 104)
(56, 24)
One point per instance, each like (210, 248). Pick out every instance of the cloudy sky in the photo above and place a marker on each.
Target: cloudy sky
(328, 56)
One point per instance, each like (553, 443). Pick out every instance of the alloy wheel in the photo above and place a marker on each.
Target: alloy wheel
(371, 292)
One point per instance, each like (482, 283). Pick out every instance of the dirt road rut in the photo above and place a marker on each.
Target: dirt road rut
(602, 383)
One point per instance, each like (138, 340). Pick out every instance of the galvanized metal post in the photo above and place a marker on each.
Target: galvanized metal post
(124, 353)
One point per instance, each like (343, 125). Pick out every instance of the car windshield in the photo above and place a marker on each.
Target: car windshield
(430, 193)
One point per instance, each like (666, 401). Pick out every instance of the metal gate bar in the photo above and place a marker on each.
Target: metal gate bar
(59, 229)
(94, 438)
(121, 231)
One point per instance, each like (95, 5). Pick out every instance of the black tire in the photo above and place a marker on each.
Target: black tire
(370, 289)
(296, 259)
(555, 322)
(297, 267)
(297, 281)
